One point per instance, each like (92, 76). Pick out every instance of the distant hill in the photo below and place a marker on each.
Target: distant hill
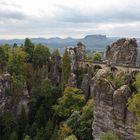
(93, 42)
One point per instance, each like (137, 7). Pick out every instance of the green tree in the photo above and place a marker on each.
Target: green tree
(3, 58)
(109, 136)
(8, 126)
(15, 45)
(22, 121)
(27, 137)
(13, 136)
(17, 85)
(117, 80)
(137, 83)
(80, 74)
(71, 101)
(71, 137)
(16, 63)
(49, 129)
(6, 49)
(96, 57)
(29, 48)
(66, 68)
(55, 134)
(55, 53)
(41, 56)
(134, 106)
(86, 56)
(40, 134)
(64, 131)
(81, 122)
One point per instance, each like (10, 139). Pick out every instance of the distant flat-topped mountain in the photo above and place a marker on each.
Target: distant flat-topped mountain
(93, 42)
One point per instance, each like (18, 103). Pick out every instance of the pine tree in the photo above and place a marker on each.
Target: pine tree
(66, 68)
(23, 121)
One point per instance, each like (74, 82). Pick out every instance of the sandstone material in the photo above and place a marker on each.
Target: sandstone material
(110, 111)
(72, 82)
(85, 86)
(55, 71)
(77, 54)
(122, 52)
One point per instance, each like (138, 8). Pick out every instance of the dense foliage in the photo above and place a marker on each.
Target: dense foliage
(134, 106)
(66, 68)
(97, 57)
(55, 112)
(109, 136)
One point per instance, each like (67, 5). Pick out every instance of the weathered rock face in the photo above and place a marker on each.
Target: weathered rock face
(72, 82)
(122, 52)
(72, 54)
(85, 86)
(14, 104)
(80, 51)
(76, 53)
(55, 71)
(110, 112)
(9, 102)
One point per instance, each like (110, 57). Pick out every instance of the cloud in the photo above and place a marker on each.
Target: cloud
(45, 18)
(12, 15)
(76, 15)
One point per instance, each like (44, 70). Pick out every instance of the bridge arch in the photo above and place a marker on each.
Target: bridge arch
(113, 68)
(97, 67)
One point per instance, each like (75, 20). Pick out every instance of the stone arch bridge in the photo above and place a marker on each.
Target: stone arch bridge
(124, 68)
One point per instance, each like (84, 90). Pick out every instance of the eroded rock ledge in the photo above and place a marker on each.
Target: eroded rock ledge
(110, 113)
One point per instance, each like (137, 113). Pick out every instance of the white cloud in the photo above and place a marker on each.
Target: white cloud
(19, 18)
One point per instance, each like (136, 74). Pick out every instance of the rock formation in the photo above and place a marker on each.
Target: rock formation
(9, 102)
(14, 104)
(72, 82)
(55, 70)
(85, 86)
(122, 52)
(110, 111)
(76, 53)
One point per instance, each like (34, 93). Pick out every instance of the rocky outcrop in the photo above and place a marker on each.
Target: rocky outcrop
(10, 102)
(55, 70)
(76, 53)
(122, 52)
(110, 111)
(72, 82)
(14, 104)
(80, 51)
(85, 86)
(5, 84)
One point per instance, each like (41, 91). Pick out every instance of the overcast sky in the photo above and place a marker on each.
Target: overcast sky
(63, 18)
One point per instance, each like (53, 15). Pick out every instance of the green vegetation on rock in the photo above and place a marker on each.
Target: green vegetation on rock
(109, 136)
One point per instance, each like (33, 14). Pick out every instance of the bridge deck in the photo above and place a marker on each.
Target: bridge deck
(103, 65)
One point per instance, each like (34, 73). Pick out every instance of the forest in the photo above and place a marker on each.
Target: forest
(56, 108)
(55, 111)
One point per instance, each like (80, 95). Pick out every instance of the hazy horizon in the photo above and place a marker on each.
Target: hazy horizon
(60, 18)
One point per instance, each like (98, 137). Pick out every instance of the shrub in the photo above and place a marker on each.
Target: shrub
(71, 137)
(109, 136)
